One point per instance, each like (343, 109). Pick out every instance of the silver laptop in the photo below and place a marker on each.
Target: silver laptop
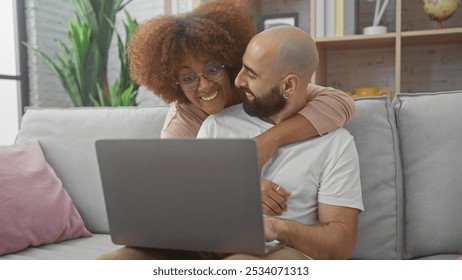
(183, 194)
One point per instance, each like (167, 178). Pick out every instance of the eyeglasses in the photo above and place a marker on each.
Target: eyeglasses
(213, 73)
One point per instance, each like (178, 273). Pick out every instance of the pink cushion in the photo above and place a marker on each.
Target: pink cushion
(34, 207)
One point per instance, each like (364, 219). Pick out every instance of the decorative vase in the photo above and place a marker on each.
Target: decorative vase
(440, 10)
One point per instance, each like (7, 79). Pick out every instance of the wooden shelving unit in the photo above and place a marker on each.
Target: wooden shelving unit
(395, 41)
(428, 37)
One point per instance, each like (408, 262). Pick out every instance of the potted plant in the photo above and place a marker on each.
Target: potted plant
(82, 66)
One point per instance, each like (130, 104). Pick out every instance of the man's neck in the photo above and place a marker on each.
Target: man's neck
(276, 118)
(268, 120)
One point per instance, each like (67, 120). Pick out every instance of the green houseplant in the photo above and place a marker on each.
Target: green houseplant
(82, 66)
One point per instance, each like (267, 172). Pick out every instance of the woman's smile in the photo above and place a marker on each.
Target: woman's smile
(209, 97)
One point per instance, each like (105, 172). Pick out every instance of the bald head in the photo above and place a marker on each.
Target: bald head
(291, 48)
(277, 67)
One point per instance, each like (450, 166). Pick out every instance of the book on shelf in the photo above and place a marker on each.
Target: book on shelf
(336, 18)
(320, 18)
(339, 18)
(330, 18)
(350, 17)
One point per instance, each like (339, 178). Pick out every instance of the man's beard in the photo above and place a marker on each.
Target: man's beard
(269, 104)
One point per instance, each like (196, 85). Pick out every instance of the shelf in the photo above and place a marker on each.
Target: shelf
(387, 60)
(434, 36)
(386, 40)
(419, 37)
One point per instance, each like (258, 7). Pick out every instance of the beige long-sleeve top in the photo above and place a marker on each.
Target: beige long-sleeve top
(326, 109)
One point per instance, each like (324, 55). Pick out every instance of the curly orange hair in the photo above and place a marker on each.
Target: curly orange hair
(219, 30)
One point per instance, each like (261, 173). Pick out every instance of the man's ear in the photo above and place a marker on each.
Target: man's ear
(289, 84)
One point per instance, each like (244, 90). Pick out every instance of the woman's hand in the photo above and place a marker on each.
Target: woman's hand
(274, 198)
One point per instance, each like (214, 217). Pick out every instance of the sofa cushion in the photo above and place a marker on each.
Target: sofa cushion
(430, 138)
(380, 230)
(68, 136)
(76, 249)
(34, 207)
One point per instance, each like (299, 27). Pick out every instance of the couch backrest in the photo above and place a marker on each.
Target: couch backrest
(71, 134)
(430, 136)
(424, 127)
(380, 228)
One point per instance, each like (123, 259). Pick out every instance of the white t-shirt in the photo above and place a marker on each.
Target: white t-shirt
(322, 169)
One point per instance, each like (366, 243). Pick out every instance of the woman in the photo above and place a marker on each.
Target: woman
(163, 51)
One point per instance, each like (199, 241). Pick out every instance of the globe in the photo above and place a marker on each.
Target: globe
(440, 10)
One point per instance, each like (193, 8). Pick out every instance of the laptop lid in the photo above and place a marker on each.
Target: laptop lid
(184, 194)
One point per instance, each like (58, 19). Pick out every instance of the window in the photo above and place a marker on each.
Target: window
(13, 68)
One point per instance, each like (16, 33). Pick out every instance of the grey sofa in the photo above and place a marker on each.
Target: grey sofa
(410, 157)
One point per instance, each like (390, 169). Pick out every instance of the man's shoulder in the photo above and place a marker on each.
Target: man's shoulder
(234, 111)
(337, 134)
(231, 122)
(338, 138)
(340, 132)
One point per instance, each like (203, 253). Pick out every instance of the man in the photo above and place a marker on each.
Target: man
(315, 207)
(319, 185)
